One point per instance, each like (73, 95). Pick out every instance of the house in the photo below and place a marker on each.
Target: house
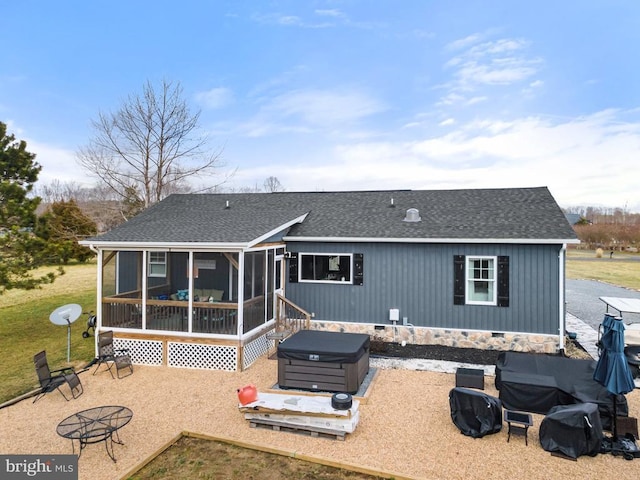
(203, 280)
(573, 218)
(576, 219)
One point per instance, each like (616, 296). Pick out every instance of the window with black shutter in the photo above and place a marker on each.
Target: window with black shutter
(481, 280)
(503, 281)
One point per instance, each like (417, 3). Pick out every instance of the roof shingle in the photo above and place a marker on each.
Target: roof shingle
(489, 214)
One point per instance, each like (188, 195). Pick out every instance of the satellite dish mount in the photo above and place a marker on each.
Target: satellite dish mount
(66, 315)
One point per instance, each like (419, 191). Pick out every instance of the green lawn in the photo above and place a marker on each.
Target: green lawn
(622, 270)
(25, 328)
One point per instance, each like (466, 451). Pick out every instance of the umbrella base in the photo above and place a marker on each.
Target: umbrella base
(622, 446)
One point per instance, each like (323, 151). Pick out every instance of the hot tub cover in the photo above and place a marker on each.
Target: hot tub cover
(320, 346)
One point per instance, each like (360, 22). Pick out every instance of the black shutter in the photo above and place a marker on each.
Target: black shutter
(458, 279)
(503, 281)
(358, 268)
(293, 267)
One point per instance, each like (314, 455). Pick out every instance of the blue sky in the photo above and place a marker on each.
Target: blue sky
(336, 95)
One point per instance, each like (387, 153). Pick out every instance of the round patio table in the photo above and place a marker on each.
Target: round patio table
(98, 424)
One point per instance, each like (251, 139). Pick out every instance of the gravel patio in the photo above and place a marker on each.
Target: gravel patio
(405, 427)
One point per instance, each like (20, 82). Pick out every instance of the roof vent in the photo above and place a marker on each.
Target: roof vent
(227, 205)
(413, 215)
(392, 204)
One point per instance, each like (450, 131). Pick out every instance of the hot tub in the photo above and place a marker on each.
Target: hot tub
(323, 361)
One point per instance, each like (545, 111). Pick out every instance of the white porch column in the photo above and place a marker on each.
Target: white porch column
(240, 293)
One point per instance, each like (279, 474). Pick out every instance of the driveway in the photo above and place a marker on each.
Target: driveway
(583, 300)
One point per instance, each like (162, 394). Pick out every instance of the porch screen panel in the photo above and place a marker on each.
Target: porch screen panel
(254, 306)
(212, 289)
(109, 272)
(122, 289)
(270, 283)
(168, 294)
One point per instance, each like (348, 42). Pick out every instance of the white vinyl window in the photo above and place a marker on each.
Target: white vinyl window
(326, 268)
(157, 265)
(481, 281)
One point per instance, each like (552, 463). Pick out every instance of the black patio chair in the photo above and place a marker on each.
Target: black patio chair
(119, 358)
(51, 380)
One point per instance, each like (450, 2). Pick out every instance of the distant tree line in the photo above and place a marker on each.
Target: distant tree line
(607, 228)
(605, 215)
(609, 236)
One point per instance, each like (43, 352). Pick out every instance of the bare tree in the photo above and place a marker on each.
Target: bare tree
(58, 191)
(150, 147)
(272, 184)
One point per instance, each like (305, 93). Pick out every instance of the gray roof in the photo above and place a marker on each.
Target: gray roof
(458, 215)
(573, 218)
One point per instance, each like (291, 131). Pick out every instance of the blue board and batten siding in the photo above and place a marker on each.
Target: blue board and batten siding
(418, 280)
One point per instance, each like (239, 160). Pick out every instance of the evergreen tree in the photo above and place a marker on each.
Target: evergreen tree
(20, 250)
(61, 227)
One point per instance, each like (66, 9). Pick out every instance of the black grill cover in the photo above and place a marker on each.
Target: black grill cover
(475, 413)
(321, 346)
(572, 430)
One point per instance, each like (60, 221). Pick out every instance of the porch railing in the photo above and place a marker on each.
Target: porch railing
(215, 318)
(290, 318)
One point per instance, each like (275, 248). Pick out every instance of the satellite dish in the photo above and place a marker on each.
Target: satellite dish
(66, 315)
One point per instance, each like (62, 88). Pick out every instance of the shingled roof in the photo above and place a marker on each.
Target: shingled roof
(491, 215)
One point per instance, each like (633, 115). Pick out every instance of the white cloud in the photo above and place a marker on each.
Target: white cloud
(215, 98)
(465, 42)
(479, 65)
(59, 164)
(291, 21)
(589, 160)
(325, 107)
(329, 13)
(478, 99)
(305, 111)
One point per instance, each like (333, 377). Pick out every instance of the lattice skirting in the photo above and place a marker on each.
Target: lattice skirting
(143, 352)
(255, 349)
(194, 355)
(210, 357)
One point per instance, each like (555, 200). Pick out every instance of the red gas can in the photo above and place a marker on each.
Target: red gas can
(247, 394)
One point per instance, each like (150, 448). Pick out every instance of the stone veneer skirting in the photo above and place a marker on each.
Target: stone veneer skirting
(516, 342)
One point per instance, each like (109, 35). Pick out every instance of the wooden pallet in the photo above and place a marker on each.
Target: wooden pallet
(310, 430)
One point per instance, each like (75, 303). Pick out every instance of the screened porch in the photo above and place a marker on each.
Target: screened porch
(189, 293)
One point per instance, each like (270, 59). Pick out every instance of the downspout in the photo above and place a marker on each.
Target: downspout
(562, 307)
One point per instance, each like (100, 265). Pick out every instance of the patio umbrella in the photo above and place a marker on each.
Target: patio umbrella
(612, 370)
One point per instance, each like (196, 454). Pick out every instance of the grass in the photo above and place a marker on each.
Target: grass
(25, 329)
(202, 458)
(622, 270)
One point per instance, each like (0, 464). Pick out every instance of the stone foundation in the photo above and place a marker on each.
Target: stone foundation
(515, 342)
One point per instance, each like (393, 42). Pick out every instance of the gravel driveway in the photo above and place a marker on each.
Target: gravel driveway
(583, 300)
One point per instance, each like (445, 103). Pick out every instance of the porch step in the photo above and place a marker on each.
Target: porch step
(280, 335)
